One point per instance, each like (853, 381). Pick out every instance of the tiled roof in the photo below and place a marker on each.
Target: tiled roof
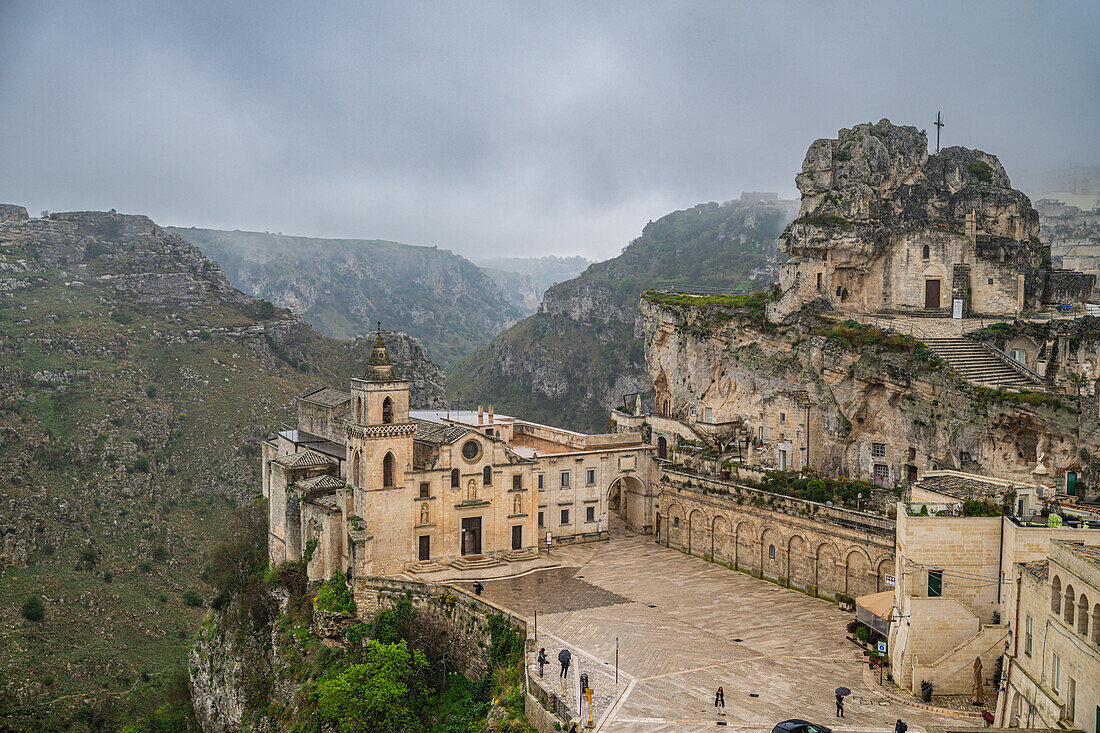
(1088, 553)
(326, 397)
(303, 459)
(436, 433)
(1039, 568)
(960, 487)
(321, 483)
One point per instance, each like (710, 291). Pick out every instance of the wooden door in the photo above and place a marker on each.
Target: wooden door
(425, 547)
(517, 537)
(471, 536)
(931, 293)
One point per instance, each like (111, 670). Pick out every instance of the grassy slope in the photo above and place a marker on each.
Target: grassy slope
(67, 471)
(443, 299)
(701, 246)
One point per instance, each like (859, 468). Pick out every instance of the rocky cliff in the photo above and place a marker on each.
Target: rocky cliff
(136, 384)
(524, 280)
(855, 386)
(343, 286)
(575, 358)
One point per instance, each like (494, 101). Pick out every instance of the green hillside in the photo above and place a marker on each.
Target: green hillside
(136, 384)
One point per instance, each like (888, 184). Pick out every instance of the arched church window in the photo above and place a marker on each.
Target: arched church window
(662, 447)
(356, 468)
(771, 552)
(387, 470)
(454, 478)
(925, 252)
(387, 411)
(487, 476)
(359, 410)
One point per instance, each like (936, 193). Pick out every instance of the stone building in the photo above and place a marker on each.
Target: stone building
(367, 486)
(1052, 673)
(953, 598)
(886, 227)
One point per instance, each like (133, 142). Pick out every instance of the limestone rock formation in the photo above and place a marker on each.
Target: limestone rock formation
(884, 226)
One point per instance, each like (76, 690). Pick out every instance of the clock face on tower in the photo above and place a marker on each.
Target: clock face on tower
(471, 450)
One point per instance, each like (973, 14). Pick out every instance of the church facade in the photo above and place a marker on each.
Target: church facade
(369, 487)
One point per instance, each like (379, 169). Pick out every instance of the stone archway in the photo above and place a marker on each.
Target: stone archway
(625, 501)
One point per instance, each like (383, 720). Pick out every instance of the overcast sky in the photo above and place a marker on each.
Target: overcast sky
(510, 128)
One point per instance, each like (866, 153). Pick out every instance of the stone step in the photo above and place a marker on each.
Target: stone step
(425, 566)
(529, 553)
(978, 365)
(475, 562)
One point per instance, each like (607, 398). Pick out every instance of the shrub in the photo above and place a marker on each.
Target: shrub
(34, 609)
(205, 335)
(108, 576)
(151, 390)
(160, 553)
(335, 596)
(980, 170)
(162, 597)
(124, 318)
(88, 557)
(266, 310)
(141, 465)
(146, 566)
(862, 632)
(192, 597)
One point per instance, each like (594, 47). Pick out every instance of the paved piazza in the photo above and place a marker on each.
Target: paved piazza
(686, 626)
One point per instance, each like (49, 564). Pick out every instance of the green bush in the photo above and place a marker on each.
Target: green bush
(162, 597)
(192, 597)
(334, 595)
(861, 633)
(34, 609)
(124, 318)
(266, 310)
(141, 465)
(108, 576)
(980, 170)
(151, 390)
(205, 335)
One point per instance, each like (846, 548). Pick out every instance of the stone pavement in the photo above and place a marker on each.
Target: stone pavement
(686, 626)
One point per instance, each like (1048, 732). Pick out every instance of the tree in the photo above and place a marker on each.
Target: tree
(722, 437)
(33, 608)
(375, 696)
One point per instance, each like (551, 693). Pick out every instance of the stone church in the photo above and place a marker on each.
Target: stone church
(368, 487)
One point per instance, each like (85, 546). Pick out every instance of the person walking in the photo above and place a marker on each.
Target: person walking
(720, 702)
(542, 660)
(478, 587)
(839, 705)
(900, 726)
(564, 656)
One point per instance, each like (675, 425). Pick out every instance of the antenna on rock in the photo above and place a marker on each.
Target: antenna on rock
(939, 126)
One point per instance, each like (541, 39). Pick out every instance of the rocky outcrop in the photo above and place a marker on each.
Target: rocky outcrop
(855, 387)
(880, 218)
(582, 352)
(11, 212)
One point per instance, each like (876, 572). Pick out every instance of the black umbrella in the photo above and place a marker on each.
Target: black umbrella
(564, 655)
(843, 691)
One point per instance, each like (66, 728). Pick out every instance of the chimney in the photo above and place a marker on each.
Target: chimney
(480, 414)
(490, 414)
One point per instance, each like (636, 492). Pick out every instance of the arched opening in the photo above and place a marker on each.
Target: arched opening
(387, 470)
(356, 471)
(359, 410)
(387, 411)
(1083, 616)
(1096, 624)
(924, 252)
(666, 408)
(1070, 606)
(454, 478)
(662, 447)
(1056, 595)
(487, 476)
(624, 502)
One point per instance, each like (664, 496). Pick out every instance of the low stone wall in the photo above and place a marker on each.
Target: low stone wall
(820, 550)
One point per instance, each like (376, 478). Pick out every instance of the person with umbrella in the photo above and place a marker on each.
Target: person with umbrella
(841, 692)
(564, 656)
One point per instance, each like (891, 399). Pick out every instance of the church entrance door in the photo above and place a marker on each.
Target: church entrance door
(425, 547)
(517, 537)
(931, 293)
(471, 536)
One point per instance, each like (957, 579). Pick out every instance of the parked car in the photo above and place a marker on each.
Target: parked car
(794, 725)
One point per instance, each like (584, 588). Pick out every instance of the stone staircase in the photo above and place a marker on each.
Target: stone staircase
(978, 365)
(475, 562)
(425, 566)
(529, 553)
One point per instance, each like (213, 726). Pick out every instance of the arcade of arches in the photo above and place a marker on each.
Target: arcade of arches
(811, 555)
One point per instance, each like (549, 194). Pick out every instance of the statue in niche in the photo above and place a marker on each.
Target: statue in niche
(516, 505)
(425, 516)
(471, 490)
